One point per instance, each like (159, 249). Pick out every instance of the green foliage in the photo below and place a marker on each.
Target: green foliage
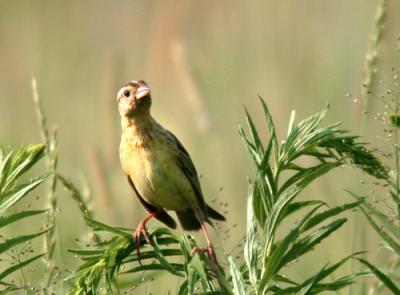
(52, 160)
(111, 259)
(279, 179)
(13, 166)
(382, 276)
(272, 199)
(117, 256)
(389, 230)
(384, 222)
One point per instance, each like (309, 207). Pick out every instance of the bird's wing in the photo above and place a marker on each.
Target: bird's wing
(162, 215)
(186, 164)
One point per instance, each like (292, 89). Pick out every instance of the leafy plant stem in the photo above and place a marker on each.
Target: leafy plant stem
(370, 63)
(396, 145)
(52, 237)
(17, 257)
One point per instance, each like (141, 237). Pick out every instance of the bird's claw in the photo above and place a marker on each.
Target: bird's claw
(197, 250)
(141, 230)
(210, 252)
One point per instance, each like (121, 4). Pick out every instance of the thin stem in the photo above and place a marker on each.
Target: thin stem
(396, 134)
(52, 238)
(370, 75)
(21, 270)
(373, 51)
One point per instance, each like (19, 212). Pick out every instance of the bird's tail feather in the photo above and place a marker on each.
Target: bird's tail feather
(214, 214)
(188, 220)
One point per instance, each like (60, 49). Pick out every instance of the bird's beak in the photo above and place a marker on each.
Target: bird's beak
(142, 91)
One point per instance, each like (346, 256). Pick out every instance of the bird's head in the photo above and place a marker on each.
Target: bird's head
(134, 99)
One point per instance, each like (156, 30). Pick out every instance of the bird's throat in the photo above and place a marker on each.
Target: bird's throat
(138, 128)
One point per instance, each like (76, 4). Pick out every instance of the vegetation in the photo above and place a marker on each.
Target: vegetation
(280, 176)
(285, 226)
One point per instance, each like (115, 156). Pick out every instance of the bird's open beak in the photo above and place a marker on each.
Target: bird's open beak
(142, 91)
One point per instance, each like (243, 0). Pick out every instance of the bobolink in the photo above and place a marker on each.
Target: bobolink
(158, 167)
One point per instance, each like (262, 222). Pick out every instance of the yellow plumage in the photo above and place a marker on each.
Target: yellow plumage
(150, 159)
(158, 167)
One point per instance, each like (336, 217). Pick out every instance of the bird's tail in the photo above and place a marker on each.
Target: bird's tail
(188, 220)
(211, 213)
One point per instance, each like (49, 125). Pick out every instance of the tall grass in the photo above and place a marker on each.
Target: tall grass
(279, 180)
(382, 208)
(281, 226)
(14, 187)
(111, 264)
(52, 239)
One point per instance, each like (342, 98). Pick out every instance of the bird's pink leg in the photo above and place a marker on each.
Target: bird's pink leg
(141, 229)
(210, 248)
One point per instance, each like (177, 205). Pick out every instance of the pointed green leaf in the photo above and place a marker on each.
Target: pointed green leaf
(387, 238)
(384, 219)
(23, 161)
(5, 220)
(251, 244)
(317, 219)
(167, 266)
(18, 266)
(380, 275)
(99, 226)
(254, 134)
(273, 146)
(237, 279)
(296, 206)
(307, 175)
(307, 243)
(5, 163)
(20, 192)
(4, 246)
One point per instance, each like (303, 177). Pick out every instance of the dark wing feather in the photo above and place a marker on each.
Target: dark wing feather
(162, 215)
(188, 220)
(187, 166)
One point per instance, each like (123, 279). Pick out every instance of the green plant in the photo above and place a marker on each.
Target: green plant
(279, 179)
(110, 262)
(116, 257)
(384, 215)
(13, 166)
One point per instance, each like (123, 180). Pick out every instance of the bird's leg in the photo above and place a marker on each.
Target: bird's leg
(210, 248)
(141, 229)
(198, 250)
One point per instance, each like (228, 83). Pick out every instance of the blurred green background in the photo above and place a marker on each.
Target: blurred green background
(203, 60)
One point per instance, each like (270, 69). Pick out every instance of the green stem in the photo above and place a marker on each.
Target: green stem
(396, 134)
(370, 75)
(52, 238)
(21, 270)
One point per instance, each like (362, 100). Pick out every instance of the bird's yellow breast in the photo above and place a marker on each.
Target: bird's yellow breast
(152, 166)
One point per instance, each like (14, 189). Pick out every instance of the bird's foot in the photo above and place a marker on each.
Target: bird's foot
(142, 230)
(198, 250)
(210, 252)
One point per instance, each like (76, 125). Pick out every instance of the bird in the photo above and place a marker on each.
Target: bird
(159, 169)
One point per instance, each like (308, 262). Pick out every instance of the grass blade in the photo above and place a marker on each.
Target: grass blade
(20, 192)
(251, 245)
(389, 240)
(5, 220)
(384, 278)
(18, 266)
(237, 279)
(4, 246)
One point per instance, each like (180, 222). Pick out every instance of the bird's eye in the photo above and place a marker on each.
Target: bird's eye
(127, 93)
